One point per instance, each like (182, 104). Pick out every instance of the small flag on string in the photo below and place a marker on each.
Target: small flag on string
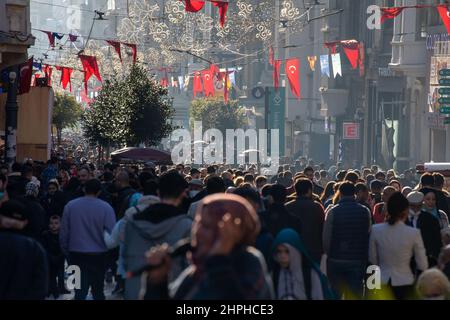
(58, 36)
(65, 76)
(73, 38)
(116, 46)
(312, 62)
(198, 87)
(90, 68)
(223, 7)
(325, 65)
(271, 56)
(181, 82)
(187, 79)
(276, 74)
(336, 60)
(51, 38)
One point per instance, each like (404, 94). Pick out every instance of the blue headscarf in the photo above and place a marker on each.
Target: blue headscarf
(291, 237)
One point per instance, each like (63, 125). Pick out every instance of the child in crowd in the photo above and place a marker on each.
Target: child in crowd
(50, 241)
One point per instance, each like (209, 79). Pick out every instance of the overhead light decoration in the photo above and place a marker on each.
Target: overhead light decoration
(289, 11)
(175, 11)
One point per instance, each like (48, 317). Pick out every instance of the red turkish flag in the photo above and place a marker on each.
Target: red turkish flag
(66, 73)
(223, 8)
(351, 48)
(197, 83)
(90, 68)
(445, 16)
(293, 73)
(25, 75)
(208, 83)
(194, 5)
(116, 46)
(276, 74)
(390, 13)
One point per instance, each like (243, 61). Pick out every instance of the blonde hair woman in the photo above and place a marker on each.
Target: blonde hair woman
(433, 285)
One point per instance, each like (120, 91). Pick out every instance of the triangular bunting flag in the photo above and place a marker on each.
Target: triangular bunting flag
(90, 68)
(325, 65)
(223, 7)
(336, 60)
(116, 46)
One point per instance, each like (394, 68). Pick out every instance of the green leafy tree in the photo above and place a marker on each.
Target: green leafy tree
(215, 113)
(66, 113)
(129, 111)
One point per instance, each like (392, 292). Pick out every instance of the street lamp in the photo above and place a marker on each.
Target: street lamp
(11, 118)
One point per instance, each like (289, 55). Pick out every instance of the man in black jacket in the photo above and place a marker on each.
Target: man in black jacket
(124, 193)
(278, 217)
(84, 175)
(429, 226)
(311, 216)
(23, 263)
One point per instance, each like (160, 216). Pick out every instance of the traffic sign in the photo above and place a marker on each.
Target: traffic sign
(444, 72)
(444, 110)
(444, 82)
(444, 100)
(444, 91)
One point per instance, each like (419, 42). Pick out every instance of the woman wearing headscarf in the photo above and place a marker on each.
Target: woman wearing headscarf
(224, 264)
(295, 275)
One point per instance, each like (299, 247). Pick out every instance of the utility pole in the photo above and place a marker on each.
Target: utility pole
(11, 118)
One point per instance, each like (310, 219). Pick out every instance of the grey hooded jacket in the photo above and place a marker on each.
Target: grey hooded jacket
(160, 223)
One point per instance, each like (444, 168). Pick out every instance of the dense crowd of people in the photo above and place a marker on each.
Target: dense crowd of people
(183, 232)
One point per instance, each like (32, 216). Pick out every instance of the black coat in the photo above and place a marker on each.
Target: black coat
(23, 268)
(279, 218)
(37, 222)
(54, 205)
(441, 199)
(121, 202)
(431, 235)
(50, 242)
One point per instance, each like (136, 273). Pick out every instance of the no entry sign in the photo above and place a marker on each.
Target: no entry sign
(351, 131)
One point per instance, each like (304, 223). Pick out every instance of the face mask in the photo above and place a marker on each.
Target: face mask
(193, 193)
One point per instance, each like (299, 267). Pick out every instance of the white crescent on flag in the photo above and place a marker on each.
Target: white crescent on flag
(292, 69)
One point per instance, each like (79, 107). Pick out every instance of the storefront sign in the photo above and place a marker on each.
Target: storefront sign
(350, 131)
